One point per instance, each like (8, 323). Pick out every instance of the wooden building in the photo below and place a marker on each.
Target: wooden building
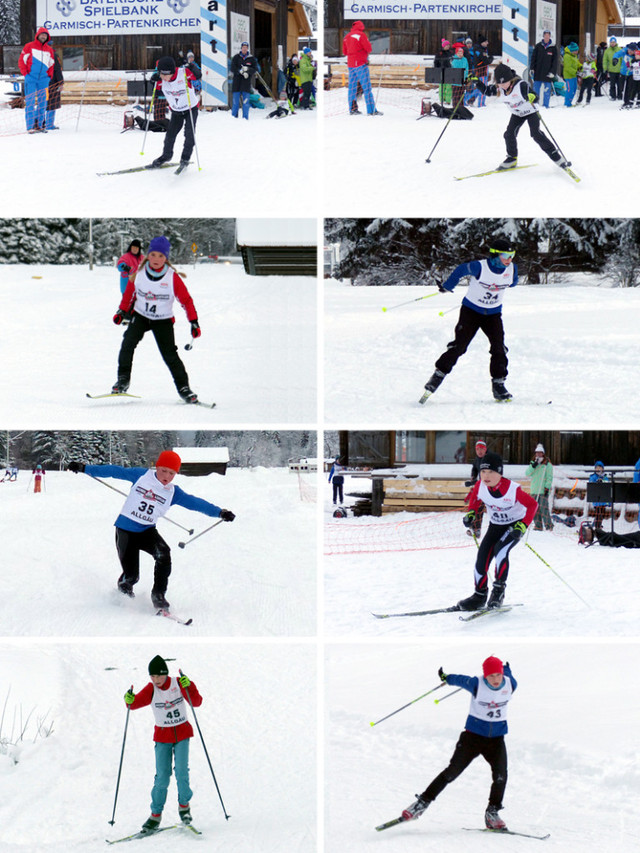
(274, 26)
(200, 461)
(278, 246)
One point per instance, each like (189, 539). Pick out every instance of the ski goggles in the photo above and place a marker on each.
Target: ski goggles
(502, 254)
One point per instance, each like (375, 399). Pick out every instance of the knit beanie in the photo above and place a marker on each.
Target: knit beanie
(492, 666)
(492, 462)
(169, 459)
(166, 64)
(539, 449)
(158, 666)
(160, 244)
(480, 443)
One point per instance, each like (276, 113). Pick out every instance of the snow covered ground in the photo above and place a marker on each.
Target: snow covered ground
(253, 577)
(573, 771)
(256, 358)
(383, 169)
(571, 344)
(581, 592)
(258, 722)
(55, 174)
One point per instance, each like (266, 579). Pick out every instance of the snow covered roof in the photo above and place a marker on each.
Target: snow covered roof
(203, 454)
(276, 232)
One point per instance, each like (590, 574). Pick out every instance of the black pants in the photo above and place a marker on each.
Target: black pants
(469, 321)
(585, 89)
(470, 746)
(513, 128)
(165, 339)
(496, 544)
(175, 126)
(616, 84)
(129, 544)
(307, 90)
(631, 88)
(338, 483)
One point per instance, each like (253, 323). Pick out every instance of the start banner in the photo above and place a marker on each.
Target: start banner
(118, 17)
(390, 11)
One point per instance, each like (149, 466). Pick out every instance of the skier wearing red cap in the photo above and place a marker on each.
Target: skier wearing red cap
(483, 735)
(511, 510)
(151, 496)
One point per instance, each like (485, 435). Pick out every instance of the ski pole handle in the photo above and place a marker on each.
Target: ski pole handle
(437, 701)
(413, 701)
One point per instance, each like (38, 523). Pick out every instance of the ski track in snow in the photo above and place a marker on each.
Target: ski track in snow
(385, 170)
(66, 583)
(62, 169)
(256, 358)
(567, 344)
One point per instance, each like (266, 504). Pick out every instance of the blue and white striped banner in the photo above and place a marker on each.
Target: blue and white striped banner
(515, 34)
(214, 52)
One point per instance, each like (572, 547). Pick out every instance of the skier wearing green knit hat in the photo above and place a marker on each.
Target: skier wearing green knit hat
(169, 698)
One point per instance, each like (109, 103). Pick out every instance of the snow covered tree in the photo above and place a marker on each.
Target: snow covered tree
(9, 21)
(623, 264)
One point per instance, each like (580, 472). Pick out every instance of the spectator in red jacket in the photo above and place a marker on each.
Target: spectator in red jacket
(36, 64)
(357, 47)
(129, 263)
(169, 698)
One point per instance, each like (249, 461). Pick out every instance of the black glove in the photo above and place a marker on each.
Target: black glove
(195, 329)
(124, 267)
(469, 518)
(119, 316)
(518, 530)
(534, 463)
(443, 677)
(227, 515)
(469, 483)
(441, 288)
(76, 467)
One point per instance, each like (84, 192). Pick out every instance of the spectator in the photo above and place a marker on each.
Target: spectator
(626, 56)
(475, 528)
(243, 66)
(54, 100)
(336, 478)
(481, 62)
(544, 67)
(36, 64)
(600, 71)
(293, 79)
(128, 263)
(443, 60)
(611, 67)
(541, 472)
(306, 78)
(459, 61)
(357, 47)
(599, 507)
(570, 67)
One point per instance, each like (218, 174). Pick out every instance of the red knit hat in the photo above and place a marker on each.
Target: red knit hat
(169, 459)
(492, 666)
(480, 443)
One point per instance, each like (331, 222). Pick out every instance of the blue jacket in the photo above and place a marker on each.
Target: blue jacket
(473, 724)
(625, 61)
(473, 268)
(132, 474)
(636, 472)
(605, 478)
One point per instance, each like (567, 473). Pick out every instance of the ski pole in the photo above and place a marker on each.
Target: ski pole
(184, 544)
(546, 127)
(448, 311)
(193, 125)
(149, 114)
(557, 575)
(413, 701)
(437, 701)
(124, 738)
(189, 346)
(109, 486)
(205, 748)
(428, 296)
(428, 160)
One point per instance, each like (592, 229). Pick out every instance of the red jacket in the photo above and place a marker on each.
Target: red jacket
(529, 503)
(356, 46)
(179, 288)
(172, 734)
(37, 57)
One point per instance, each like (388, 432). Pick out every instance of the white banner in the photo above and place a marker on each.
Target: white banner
(214, 53)
(546, 19)
(118, 17)
(422, 11)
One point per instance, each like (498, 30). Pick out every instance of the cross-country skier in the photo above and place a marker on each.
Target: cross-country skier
(169, 699)
(178, 87)
(481, 309)
(152, 495)
(511, 510)
(148, 303)
(483, 735)
(521, 99)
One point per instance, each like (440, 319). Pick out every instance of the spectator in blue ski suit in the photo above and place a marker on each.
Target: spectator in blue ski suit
(36, 64)
(599, 476)
(483, 734)
(336, 478)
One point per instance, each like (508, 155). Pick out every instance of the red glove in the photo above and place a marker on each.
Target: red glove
(195, 329)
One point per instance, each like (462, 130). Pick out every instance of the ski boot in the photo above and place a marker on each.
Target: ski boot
(152, 823)
(121, 386)
(125, 587)
(355, 112)
(416, 809)
(159, 161)
(375, 113)
(492, 819)
(158, 600)
(187, 395)
(508, 163)
(432, 385)
(500, 393)
(561, 161)
(185, 814)
(497, 595)
(475, 602)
